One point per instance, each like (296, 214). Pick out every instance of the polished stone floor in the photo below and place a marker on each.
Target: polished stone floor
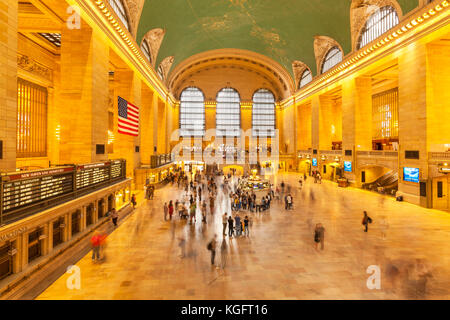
(278, 260)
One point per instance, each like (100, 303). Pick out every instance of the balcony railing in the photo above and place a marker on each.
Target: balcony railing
(439, 156)
(377, 154)
(331, 152)
(160, 160)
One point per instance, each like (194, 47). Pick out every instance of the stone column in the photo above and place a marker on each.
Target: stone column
(147, 141)
(155, 104)
(356, 119)
(8, 83)
(412, 77)
(161, 127)
(315, 124)
(128, 87)
(84, 95)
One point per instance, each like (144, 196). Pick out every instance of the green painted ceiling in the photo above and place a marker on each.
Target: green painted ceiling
(283, 30)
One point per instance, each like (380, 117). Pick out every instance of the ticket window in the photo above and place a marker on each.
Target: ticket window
(101, 208)
(6, 260)
(34, 245)
(89, 214)
(76, 222)
(58, 232)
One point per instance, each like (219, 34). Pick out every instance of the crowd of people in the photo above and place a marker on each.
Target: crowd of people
(200, 193)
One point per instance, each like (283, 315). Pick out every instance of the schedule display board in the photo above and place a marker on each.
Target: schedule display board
(20, 190)
(91, 174)
(117, 169)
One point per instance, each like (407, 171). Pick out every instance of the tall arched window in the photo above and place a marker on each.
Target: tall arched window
(263, 114)
(381, 21)
(305, 78)
(192, 113)
(146, 50)
(119, 9)
(228, 113)
(332, 58)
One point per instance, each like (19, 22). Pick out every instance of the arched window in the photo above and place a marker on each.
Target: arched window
(119, 9)
(228, 113)
(192, 113)
(332, 58)
(381, 21)
(263, 114)
(305, 79)
(146, 50)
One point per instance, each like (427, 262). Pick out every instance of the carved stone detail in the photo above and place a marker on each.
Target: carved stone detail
(322, 44)
(298, 68)
(165, 66)
(361, 10)
(134, 10)
(154, 39)
(26, 63)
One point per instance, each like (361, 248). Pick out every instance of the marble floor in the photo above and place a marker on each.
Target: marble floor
(278, 260)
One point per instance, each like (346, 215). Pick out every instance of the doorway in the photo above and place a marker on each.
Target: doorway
(440, 193)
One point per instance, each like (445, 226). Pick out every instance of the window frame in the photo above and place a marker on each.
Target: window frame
(372, 29)
(121, 12)
(259, 135)
(204, 113)
(329, 57)
(240, 112)
(146, 50)
(303, 76)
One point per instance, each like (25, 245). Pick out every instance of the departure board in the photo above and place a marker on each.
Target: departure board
(26, 189)
(116, 169)
(92, 174)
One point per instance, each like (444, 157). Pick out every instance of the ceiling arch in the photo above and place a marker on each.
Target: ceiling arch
(208, 69)
(283, 30)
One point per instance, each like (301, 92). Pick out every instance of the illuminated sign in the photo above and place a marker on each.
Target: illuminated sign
(411, 174)
(444, 169)
(348, 166)
(314, 162)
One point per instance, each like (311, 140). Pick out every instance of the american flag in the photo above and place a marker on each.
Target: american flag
(128, 118)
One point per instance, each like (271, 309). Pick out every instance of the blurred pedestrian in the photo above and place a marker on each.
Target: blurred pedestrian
(212, 247)
(114, 216)
(166, 211)
(366, 220)
(319, 236)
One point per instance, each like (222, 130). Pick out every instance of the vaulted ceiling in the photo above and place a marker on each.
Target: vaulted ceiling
(282, 30)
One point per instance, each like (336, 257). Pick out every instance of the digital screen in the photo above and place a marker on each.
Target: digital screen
(314, 162)
(348, 166)
(411, 174)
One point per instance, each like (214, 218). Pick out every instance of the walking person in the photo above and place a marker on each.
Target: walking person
(133, 201)
(319, 236)
(170, 209)
(212, 247)
(166, 211)
(114, 216)
(223, 254)
(237, 224)
(365, 221)
(182, 245)
(96, 242)
(224, 223)
(230, 226)
(246, 226)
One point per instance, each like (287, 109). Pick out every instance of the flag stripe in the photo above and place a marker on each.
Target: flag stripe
(130, 122)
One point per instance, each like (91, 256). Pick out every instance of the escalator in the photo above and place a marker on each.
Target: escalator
(386, 184)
